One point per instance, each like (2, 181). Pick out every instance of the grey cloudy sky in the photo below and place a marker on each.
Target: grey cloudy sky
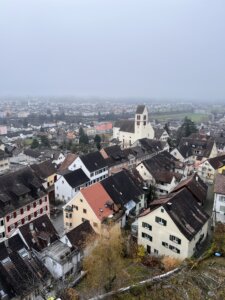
(152, 48)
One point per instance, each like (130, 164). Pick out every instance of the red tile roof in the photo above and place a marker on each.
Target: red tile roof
(97, 198)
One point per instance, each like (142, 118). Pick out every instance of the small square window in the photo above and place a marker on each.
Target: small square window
(84, 211)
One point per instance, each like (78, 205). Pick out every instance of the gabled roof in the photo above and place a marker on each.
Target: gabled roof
(97, 198)
(39, 233)
(115, 155)
(183, 209)
(78, 235)
(127, 126)
(159, 132)
(150, 145)
(219, 187)
(70, 158)
(196, 186)
(112, 150)
(93, 161)
(162, 161)
(166, 176)
(32, 153)
(140, 109)
(44, 169)
(21, 272)
(217, 162)
(122, 188)
(23, 182)
(76, 178)
(196, 142)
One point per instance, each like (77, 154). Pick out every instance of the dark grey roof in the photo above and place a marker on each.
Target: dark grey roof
(196, 142)
(158, 132)
(3, 155)
(151, 146)
(183, 209)
(140, 109)
(78, 236)
(44, 169)
(76, 178)
(115, 155)
(161, 161)
(93, 161)
(13, 185)
(32, 153)
(20, 275)
(111, 150)
(196, 186)
(217, 162)
(42, 234)
(127, 126)
(122, 187)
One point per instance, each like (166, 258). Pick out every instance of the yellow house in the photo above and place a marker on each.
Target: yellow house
(47, 172)
(92, 203)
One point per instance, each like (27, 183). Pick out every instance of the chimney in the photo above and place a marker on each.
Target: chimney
(169, 205)
(31, 226)
(6, 242)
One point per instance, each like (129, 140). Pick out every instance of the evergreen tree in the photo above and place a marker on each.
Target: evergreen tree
(187, 128)
(45, 141)
(97, 140)
(83, 138)
(35, 144)
(166, 127)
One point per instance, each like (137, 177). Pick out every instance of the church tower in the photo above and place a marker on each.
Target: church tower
(142, 126)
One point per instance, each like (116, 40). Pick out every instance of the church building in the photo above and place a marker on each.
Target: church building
(129, 131)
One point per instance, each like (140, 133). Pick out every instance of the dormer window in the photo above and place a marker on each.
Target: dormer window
(23, 252)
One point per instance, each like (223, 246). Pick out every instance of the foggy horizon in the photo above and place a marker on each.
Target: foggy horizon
(115, 49)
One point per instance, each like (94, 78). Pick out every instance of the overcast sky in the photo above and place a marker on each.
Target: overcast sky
(149, 48)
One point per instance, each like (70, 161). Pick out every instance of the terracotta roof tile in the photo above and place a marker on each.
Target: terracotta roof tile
(97, 198)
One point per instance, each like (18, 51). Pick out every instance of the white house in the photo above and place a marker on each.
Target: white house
(173, 226)
(161, 134)
(60, 159)
(93, 165)
(160, 172)
(60, 259)
(42, 239)
(210, 167)
(219, 199)
(69, 184)
(128, 131)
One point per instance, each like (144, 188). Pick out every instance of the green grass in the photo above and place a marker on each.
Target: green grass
(198, 118)
(28, 142)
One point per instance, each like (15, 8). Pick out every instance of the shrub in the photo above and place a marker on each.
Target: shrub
(151, 261)
(170, 263)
